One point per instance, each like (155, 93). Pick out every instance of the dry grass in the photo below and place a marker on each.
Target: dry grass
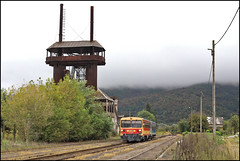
(206, 147)
(9, 145)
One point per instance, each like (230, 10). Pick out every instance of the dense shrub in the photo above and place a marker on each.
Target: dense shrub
(186, 132)
(67, 111)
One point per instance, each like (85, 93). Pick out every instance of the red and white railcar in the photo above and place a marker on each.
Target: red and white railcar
(136, 129)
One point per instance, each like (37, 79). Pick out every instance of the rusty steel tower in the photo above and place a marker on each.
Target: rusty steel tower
(82, 57)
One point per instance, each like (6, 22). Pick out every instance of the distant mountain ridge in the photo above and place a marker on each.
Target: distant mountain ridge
(170, 106)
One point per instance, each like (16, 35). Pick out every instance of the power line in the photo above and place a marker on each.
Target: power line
(74, 31)
(210, 73)
(85, 29)
(228, 26)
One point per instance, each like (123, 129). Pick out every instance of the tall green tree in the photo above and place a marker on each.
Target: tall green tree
(183, 125)
(174, 128)
(29, 108)
(196, 122)
(77, 114)
(235, 123)
(147, 115)
(67, 111)
(149, 108)
(3, 100)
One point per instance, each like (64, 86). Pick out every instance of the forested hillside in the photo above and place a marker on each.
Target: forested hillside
(170, 106)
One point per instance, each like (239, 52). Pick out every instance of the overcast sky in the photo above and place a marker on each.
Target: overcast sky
(148, 44)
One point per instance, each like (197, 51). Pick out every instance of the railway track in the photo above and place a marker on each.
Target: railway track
(47, 151)
(73, 154)
(58, 145)
(139, 155)
(67, 153)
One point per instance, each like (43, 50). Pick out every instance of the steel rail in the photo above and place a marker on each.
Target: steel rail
(73, 154)
(150, 148)
(87, 151)
(84, 151)
(164, 151)
(56, 145)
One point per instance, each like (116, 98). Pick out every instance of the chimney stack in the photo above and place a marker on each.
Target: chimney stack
(61, 23)
(91, 28)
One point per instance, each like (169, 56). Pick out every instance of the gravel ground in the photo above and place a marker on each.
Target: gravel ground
(119, 153)
(21, 155)
(132, 149)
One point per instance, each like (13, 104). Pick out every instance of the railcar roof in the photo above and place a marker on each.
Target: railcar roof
(135, 118)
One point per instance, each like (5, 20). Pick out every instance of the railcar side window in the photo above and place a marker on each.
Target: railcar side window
(136, 123)
(146, 125)
(125, 123)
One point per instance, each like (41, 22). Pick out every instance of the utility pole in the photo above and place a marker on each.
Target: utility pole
(213, 87)
(201, 112)
(191, 118)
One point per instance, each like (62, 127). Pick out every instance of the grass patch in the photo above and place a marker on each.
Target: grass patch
(206, 147)
(9, 145)
(114, 138)
(159, 133)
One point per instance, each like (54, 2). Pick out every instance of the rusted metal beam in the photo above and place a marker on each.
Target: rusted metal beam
(76, 60)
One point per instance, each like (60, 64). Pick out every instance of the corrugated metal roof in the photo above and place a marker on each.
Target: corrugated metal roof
(219, 120)
(75, 44)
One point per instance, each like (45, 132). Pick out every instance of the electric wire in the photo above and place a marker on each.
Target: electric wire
(85, 29)
(74, 30)
(210, 73)
(87, 26)
(228, 27)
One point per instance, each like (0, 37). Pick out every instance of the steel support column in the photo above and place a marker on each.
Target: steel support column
(58, 72)
(91, 75)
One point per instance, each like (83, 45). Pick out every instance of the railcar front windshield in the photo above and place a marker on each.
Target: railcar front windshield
(125, 123)
(137, 123)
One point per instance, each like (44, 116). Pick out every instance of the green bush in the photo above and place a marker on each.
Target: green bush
(207, 131)
(184, 133)
(223, 133)
(218, 133)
